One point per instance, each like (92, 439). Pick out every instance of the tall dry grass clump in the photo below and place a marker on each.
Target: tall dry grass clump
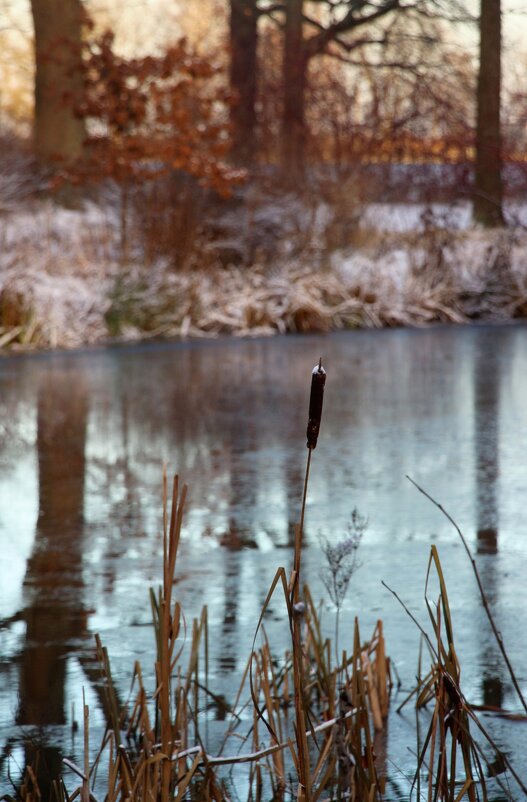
(317, 711)
(313, 718)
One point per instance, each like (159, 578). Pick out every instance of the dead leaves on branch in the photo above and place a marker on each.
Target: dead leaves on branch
(147, 116)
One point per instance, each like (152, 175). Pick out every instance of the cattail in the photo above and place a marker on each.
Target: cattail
(318, 380)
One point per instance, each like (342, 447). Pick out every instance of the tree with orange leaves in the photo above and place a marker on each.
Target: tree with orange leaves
(146, 116)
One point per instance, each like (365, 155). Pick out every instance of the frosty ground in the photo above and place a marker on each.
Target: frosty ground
(65, 281)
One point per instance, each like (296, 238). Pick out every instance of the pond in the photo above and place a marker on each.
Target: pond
(84, 437)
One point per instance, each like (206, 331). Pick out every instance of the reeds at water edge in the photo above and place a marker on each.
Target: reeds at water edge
(316, 710)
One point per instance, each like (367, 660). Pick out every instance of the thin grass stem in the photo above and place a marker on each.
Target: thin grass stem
(484, 600)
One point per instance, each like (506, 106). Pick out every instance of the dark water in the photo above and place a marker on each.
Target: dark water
(83, 440)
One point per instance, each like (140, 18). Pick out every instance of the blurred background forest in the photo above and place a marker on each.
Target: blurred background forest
(254, 166)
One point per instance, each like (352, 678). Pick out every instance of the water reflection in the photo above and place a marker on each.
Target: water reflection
(487, 382)
(230, 418)
(240, 443)
(54, 612)
(487, 388)
(493, 669)
(228, 651)
(293, 481)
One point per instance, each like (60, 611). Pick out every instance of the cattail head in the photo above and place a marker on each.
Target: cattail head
(318, 380)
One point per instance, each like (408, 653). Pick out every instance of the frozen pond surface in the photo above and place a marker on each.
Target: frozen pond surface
(83, 440)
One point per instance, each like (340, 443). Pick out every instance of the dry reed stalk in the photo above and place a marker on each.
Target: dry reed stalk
(139, 718)
(266, 683)
(373, 696)
(256, 769)
(272, 698)
(169, 769)
(110, 695)
(318, 380)
(85, 790)
(382, 671)
(361, 741)
(484, 600)
(234, 716)
(169, 626)
(373, 664)
(318, 648)
(452, 715)
(324, 769)
(304, 790)
(159, 770)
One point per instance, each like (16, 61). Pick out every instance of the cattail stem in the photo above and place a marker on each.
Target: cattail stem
(299, 533)
(304, 495)
(304, 771)
(318, 380)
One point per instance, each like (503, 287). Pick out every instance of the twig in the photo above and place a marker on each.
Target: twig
(484, 600)
(250, 757)
(466, 704)
(414, 619)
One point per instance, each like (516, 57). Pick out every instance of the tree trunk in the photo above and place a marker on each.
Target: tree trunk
(243, 76)
(58, 132)
(294, 80)
(488, 190)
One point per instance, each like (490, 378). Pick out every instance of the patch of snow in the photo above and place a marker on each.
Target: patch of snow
(386, 271)
(406, 217)
(516, 213)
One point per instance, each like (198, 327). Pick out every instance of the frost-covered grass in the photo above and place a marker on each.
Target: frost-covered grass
(64, 280)
(405, 217)
(57, 268)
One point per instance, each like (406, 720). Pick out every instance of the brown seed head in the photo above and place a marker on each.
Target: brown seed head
(318, 380)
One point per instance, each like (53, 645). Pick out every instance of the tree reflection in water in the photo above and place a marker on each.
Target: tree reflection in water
(487, 364)
(229, 418)
(54, 612)
(487, 385)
